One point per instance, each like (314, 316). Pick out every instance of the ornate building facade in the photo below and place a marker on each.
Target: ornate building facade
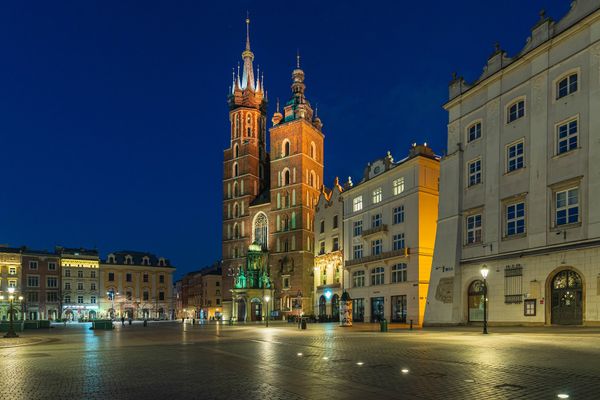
(269, 198)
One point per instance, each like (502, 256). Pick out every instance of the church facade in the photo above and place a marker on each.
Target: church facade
(269, 198)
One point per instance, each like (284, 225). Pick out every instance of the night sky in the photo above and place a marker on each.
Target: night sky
(114, 116)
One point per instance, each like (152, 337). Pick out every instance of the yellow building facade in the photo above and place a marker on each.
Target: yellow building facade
(10, 277)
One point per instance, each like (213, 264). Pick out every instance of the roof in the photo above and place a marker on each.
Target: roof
(137, 258)
(66, 251)
(263, 197)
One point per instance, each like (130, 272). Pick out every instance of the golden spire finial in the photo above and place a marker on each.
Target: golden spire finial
(247, 30)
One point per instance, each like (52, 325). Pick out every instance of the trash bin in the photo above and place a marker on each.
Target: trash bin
(383, 325)
(303, 323)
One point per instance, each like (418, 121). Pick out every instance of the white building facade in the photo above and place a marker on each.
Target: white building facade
(518, 183)
(389, 232)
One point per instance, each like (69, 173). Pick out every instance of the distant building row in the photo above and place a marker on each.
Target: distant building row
(75, 284)
(198, 294)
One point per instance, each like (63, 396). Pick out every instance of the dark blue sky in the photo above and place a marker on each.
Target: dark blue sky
(114, 116)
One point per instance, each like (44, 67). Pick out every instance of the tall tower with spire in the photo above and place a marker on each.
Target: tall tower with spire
(245, 163)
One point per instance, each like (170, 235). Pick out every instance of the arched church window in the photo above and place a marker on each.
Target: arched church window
(285, 148)
(236, 150)
(261, 230)
(313, 150)
(235, 169)
(286, 177)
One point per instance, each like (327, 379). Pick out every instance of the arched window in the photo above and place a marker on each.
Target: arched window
(236, 210)
(475, 301)
(235, 171)
(235, 189)
(322, 306)
(286, 223)
(313, 150)
(285, 148)
(249, 124)
(313, 180)
(261, 229)
(237, 125)
(236, 231)
(335, 307)
(286, 177)
(236, 150)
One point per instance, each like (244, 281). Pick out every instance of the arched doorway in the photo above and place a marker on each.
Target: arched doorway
(241, 310)
(335, 307)
(322, 306)
(476, 300)
(566, 298)
(256, 310)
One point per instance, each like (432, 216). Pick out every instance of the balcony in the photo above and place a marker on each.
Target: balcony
(386, 254)
(377, 229)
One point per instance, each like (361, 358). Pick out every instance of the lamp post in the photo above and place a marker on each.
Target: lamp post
(484, 273)
(267, 298)
(111, 296)
(11, 328)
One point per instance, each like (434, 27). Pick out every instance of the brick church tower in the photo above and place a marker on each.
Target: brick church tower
(296, 144)
(245, 163)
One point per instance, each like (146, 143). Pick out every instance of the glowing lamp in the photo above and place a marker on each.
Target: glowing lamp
(485, 271)
(328, 294)
(11, 290)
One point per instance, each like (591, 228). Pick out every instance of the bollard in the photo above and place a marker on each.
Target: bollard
(145, 322)
(193, 321)
(383, 325)
(411, 323)
(303, 323)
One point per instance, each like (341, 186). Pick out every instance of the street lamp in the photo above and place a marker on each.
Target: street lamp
(267, 298)
(484, 272)
(11, 328)
(111, 296)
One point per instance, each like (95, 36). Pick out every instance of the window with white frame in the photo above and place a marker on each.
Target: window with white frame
(566, 86)
(399, 273)
(358, 251)
(567, 136)
(398, 241)
(398, 186)
(357, 225)
(376, 220)
(52, 282)
(357, 204)
(376, 247)
(79, 299)
(51, 266)
(515, 156)
(516, 111)
(358, 278)
(398, 214)
(33, 281)
(33, 265)
(474, 168)
(377, 195)
(93, 299)
(79, 285)
(377, 276)
(474, 229)
(474, 132)
(567, 206)
(515, 219)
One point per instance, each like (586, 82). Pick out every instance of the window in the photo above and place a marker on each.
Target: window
(111, 276)
(474, 229)
(93, 299)
(79, 299)
(357, 204)
(358, 251)
(92, 274)
(33, 281)
(516, 111)
(567, 207)
(375, 247)
(33, 265)
(474, 172)
(128, 277)
(399, 273)
(322, 227)
(235, 173)
(52, 282)
(515, 219)
(80, 273)
(336, 244)
(529, 307)
(67, 285)
(513, 284)
(52, 297)
(145, 277)
(377, 194)
(398, 186)
(377, 276)
(161, 279)
(12, 271)
(358, 278)
(285, 148)
(79, 285)
(92, 286)
(375, 220)
(474, 132)
(161, 295)
(566, 86)
(398, 241)
(286, 177)
(566, 136)
(67, 299)
(335, 222)
(515, 156)
(128, 295)
(12, 284)
(145, 296)
(67, 273)
(51, 266)
(357, 228)
(286, 282)
(398, 214)
(322, 247)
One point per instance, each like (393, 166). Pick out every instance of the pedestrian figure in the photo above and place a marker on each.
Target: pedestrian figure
(122, 321)
(130, 321)
(193, 321)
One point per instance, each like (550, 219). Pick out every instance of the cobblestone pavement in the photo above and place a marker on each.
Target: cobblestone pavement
(281, 362)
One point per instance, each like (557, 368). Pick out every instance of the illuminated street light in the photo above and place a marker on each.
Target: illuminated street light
(11, 328)
(267, 298)
(484, 272)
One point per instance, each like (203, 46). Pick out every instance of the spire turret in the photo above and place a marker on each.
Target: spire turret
(248, 57)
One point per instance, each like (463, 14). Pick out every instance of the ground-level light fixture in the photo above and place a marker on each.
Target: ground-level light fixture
(360, 363)
(563, 396)
(404, 370)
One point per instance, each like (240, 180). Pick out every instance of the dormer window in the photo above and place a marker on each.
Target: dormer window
(112, 259)
(128, 259)
(566, 86)
(162, 262)
(145, 260)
